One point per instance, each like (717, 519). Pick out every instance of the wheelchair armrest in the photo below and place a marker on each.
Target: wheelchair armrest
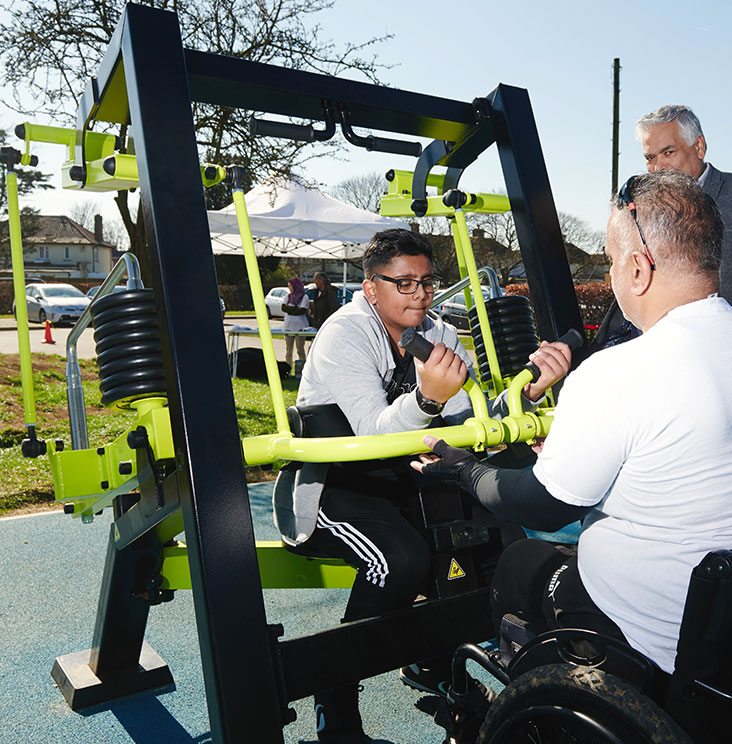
(570, 646)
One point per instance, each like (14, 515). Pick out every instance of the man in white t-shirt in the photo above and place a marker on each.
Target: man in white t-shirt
(641, 440)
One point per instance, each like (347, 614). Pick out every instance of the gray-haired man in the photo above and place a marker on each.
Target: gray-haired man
(672, 139)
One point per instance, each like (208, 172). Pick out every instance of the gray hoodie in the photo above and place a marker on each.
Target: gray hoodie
(350, 363)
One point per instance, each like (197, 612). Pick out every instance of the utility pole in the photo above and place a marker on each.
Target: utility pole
(616, 124)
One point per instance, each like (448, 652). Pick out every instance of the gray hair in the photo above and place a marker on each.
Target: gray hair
(681, 224)
(687, 121)
(322, 275)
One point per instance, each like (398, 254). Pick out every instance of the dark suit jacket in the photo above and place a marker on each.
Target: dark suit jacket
(719, 186)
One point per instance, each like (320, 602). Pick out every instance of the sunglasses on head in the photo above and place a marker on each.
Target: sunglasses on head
(625, 198)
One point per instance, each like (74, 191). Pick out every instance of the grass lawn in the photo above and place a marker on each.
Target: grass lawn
(27, 482)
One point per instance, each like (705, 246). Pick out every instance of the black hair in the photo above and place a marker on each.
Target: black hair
(388, 244)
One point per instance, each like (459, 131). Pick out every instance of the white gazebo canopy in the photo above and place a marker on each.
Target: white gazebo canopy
(290, 219)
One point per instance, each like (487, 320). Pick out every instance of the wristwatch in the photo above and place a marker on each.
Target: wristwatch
(427, 405)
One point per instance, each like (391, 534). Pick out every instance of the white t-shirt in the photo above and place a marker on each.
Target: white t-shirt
(298, 322)
(643, 431)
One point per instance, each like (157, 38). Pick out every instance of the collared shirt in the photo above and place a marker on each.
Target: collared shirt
(703, 176)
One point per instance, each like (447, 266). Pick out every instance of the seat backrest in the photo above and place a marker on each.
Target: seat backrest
(325, 420)
(698, 692)
(705, 640)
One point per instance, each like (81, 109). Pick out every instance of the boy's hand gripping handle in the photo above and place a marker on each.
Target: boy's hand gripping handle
(420, 348)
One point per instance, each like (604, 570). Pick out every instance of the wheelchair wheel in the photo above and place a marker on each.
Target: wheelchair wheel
(567, 704)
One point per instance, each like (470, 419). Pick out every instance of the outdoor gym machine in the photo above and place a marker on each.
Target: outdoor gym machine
(184, 454)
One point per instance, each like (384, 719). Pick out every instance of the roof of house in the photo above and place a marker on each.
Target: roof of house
(62, 230)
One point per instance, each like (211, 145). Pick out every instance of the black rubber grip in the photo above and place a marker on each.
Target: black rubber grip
(281, 129)
(454, 198)
(394, 147)
(418, 346)
(573, 338)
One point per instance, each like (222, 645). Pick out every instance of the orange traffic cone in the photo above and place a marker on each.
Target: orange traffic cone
(48, 339)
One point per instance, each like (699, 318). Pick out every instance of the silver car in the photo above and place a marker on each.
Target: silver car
(455, 312)
(274, 300)
(57, 303)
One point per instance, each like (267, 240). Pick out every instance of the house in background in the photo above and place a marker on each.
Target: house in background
(61, 248)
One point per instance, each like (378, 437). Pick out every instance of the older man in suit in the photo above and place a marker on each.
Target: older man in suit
(672, 139)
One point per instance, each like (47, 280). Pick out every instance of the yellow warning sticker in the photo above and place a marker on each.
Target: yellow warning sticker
(455, 571)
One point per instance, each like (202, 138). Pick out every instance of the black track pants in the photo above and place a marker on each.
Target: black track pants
(540, 583)
(371, 533)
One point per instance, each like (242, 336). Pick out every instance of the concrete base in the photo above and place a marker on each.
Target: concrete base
(82, 688)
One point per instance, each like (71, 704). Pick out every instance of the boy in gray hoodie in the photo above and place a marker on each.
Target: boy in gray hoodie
(356, 511)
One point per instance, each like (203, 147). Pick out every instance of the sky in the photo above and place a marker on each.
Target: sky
(561, 52)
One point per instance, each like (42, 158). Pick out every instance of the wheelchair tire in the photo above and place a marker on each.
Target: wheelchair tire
(561, 703)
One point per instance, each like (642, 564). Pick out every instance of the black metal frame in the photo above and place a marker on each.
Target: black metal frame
(148, 80)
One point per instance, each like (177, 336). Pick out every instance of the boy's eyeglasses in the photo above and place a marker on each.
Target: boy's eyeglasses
(625, 198)
(409, 286)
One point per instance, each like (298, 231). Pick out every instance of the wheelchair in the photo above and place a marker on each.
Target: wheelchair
(573, 686)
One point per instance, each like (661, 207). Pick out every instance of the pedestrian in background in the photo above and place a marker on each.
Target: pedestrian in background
(296, 319)
(326, 299)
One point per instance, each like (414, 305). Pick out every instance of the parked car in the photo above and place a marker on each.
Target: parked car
(274, 300)
(91, 293)
(351, 287)
(454, 310)
(57, 303)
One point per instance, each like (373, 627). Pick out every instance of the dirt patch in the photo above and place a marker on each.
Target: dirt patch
(257, 475)
(49, 368)
(32, 509)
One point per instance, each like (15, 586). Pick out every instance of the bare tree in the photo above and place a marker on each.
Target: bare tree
(115, 233)
(577, 232)
(83, 213)
(113, 230)
(50, 48)
(364, 191)
(495, 242)
(583, 245)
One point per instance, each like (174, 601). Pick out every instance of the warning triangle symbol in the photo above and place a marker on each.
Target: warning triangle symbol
(455, 571)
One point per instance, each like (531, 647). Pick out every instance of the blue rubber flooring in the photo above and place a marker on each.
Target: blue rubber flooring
(50, 574)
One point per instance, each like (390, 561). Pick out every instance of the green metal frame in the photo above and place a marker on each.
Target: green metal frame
(278, 569)
(21, 307)
(89, 480)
